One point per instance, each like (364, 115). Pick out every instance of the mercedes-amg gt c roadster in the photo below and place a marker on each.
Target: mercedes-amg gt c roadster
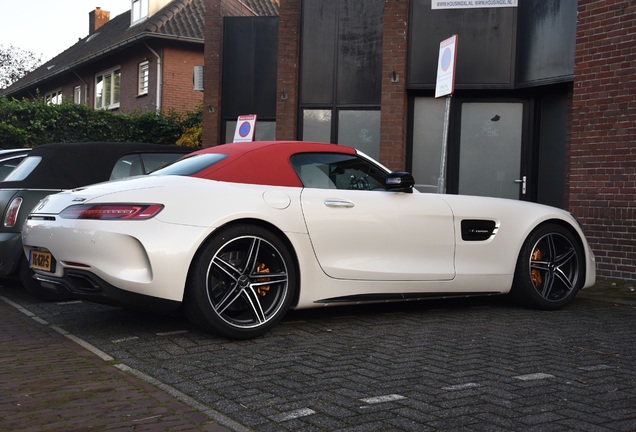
(236, 235)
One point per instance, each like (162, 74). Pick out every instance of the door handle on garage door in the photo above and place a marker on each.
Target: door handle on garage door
(329, 202)
(523, 181)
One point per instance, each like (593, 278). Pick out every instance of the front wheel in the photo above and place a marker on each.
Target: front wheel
(550, 269)
(241, 283)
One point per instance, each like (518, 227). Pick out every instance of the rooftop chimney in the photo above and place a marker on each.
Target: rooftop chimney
(96, 19)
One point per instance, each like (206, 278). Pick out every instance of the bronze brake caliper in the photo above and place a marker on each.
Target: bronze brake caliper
(537, 280)
(263, 290)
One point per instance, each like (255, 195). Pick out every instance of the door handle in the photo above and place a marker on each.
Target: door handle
(523, 184)
(330, 202)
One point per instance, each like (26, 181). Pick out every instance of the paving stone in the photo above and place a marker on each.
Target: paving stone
(453, 363)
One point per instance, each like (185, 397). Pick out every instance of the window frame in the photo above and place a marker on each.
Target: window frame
(139, 11)
(114, 89)
(77, 94)
(54, 97)
(143, 78)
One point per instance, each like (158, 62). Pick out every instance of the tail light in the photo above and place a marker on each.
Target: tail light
(12, 213)
(111, 211)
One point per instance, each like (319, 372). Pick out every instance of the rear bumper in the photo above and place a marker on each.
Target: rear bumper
(86, 286)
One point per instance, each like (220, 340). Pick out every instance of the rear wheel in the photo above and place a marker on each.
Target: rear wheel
(241, 283)
(550, 268)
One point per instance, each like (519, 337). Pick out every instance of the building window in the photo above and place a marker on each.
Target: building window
(341, 73)
(355, 128)
(317, 125)
(198, 78)
(107, 89)
(144, 75)
(139, 10)
(360, 129)
(54, 97)
(77, 94)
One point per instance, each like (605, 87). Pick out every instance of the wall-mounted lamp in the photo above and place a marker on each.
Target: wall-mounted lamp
(394, 76)
(283, 94)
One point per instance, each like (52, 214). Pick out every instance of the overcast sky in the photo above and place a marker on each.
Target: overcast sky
(48, 27)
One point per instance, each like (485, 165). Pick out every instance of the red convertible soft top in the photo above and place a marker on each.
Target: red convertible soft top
(263, 162)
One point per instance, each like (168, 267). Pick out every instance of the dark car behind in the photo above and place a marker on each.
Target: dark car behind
(51, 168)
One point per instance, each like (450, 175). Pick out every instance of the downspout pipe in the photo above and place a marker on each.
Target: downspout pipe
(159, 77)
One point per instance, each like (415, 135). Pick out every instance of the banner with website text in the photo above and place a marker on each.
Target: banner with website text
(467, 4)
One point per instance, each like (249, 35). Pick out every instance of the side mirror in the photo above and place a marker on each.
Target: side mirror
(400, 181)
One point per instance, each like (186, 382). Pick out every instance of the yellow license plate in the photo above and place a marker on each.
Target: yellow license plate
(41, 260)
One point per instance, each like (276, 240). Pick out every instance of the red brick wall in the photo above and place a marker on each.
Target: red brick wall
(602, 171)
(288, 73)
(129, 63)
(178, 71)
(393, 123)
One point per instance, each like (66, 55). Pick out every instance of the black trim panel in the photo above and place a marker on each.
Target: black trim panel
(389, 297)
(477, 229)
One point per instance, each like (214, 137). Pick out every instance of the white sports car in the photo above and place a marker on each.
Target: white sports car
(239, 233)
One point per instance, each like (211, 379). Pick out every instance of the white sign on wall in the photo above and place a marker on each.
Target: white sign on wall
(469, 4)
(445, 83)
(245, 126)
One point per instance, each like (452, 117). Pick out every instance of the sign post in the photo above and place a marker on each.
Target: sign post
(245, 127)
(445, 85)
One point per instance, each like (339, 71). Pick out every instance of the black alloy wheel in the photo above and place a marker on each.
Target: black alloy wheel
(550, 268)
(241, 283)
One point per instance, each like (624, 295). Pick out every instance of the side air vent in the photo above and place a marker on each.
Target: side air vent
(477, 230)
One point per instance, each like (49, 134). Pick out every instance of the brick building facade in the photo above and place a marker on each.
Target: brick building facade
(602, 161)
(148, 64)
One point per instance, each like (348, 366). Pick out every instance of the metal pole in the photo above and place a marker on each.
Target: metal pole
(441, 181)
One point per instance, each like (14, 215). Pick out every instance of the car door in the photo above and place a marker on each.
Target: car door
(361, 231)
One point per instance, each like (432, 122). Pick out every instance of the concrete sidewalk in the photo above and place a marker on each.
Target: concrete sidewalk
(48, 382)
(611, 292)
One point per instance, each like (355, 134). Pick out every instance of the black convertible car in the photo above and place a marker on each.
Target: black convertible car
(51, 168)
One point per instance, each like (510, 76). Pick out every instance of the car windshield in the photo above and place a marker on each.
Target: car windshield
(23, 170)
(191, 165)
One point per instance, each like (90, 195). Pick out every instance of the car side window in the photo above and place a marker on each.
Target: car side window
(338, 171)
(155, 161)
(24, 168)
(141, 163)
(127, 166)
(8, 165)
(191, 165)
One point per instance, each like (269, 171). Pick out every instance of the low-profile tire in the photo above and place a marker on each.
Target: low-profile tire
(33, 286)
(550, 269)
(241, 283)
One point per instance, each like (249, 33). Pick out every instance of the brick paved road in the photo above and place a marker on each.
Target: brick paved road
(461, 365)
(48, 382)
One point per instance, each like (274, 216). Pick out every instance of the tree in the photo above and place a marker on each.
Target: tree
(15, 63)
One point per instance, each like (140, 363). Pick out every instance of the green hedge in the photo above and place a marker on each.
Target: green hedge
(26, 123)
